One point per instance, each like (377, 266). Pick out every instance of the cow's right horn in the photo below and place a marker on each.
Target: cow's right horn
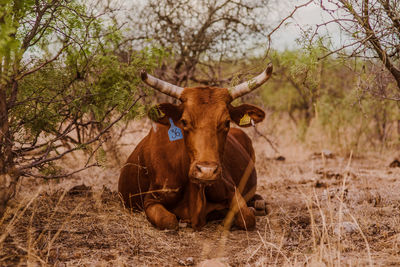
(247, 87)
(160, 85)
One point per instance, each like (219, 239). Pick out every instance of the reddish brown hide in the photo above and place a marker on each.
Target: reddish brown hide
(194, 177)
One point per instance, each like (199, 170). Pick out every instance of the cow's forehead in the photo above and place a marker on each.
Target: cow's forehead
(205, 95)
(204, 103)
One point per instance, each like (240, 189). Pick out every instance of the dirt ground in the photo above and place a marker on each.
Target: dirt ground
(325, 209)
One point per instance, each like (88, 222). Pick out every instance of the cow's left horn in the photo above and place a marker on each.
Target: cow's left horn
(160, 85)
(246, 87)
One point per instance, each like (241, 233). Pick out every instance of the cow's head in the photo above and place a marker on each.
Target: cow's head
(205, 115)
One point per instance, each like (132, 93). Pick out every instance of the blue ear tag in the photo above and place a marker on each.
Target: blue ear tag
(174, 133)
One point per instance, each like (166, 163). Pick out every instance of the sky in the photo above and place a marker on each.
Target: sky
(285, 37)
(304, 18)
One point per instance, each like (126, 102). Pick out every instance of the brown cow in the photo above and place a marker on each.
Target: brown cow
(209, 170)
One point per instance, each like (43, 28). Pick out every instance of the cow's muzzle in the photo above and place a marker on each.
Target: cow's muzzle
(204, 172)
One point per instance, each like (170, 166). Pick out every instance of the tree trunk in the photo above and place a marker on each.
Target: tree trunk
(398, 128)
(8, 176)
(8, 184)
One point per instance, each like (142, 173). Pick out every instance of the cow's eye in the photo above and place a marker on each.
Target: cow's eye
(227, 123)
(184, 122)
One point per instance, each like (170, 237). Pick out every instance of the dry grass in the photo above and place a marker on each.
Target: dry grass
(323, 212)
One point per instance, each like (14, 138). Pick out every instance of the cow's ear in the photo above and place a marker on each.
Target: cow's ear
(243, 114)
(162, 112)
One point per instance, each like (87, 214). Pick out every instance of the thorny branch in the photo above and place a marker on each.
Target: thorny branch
(296, 8)
(201, 32)
(374, 25)
(46, 158)
(27, 143)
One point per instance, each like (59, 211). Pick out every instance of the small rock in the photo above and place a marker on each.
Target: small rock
(373, 198)
(395, 164)
(280, 158)
(325, 153)
(320, 184)
(329, 174)
(188, 262)
(347, 228)
(80, 190)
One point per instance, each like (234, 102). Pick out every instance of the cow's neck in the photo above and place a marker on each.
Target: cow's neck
(193, 206)
(173, 153)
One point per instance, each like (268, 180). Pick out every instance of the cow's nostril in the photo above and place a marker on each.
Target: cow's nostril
(198, 168)
(215, 170)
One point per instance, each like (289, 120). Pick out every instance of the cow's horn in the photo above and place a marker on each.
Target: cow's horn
(246, 87)
(160, 85)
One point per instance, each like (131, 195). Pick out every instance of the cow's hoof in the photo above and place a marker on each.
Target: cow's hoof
(246, 221)
(259, 204)
(260, 207)
(260, 213)
(168, 223)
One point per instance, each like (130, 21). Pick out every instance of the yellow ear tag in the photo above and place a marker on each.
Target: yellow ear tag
(245, 120)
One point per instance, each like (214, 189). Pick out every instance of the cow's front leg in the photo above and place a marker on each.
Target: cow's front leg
(161, 217)
(197, 206)
(241, 215)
